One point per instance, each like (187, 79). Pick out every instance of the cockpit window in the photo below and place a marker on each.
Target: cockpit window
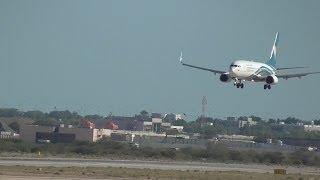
(233, 65)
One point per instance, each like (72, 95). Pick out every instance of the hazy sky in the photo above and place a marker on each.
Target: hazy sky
(121, 56)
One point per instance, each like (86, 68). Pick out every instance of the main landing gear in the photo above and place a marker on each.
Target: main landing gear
(267, 86)
(240, 85)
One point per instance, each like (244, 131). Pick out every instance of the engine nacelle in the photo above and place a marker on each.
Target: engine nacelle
(225, 78)
(272, 79)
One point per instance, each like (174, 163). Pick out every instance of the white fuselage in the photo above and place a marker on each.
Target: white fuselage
(250, 70)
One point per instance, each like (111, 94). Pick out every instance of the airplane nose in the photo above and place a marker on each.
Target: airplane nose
(233, 70)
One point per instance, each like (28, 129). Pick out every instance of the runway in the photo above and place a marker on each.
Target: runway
(162, 165)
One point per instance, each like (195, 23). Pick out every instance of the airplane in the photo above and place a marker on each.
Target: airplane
(252, 71)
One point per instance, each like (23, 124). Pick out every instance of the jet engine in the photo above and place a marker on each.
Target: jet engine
(225, 78)
(272, 79)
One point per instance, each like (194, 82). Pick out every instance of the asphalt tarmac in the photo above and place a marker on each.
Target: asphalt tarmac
(162, 165)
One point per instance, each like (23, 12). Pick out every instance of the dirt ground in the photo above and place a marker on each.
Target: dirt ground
(79, 173)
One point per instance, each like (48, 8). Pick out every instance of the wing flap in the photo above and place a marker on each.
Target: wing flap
(205, 69)
(285, 68)
(298, 75)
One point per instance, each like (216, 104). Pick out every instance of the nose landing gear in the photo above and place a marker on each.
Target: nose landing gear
(239, 84)
(267, 86)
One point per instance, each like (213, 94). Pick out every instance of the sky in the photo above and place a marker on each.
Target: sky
(122, 56)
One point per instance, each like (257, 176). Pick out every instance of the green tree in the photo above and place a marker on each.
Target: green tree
(9, 112)
(35, 115)
(256, 118)
(179, 122)
(144, 115)
(192, 127)
(291, 120)
(218, 152)
(47, 122)
(15, 126)
(64, 116)
(94, 117)
(272, 121)
(317, 122)
(169, 118)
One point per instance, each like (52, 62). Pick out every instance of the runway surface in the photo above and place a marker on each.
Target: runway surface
(163, 165)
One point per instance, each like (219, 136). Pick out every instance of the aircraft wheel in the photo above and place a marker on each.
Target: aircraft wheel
(265, 86)
(242, 85)
(269, 86)
(238, 85)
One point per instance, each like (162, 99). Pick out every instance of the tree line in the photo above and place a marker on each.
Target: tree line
(264, 130)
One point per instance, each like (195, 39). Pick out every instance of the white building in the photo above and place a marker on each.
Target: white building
(248, 122)
(234, 137)
(8, 135)
(178, 128)
(180, 116)
(311, 128)
(158, 126)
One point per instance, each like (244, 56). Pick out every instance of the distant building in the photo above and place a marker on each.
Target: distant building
(165, 126)
(141, 136)
(180, 116)
(247, 122)
(87, 124)
(239, 138)
(8, 135)
(173, 117)
(158, 126)
(299, 124)
(123, 123)
(178, 128)
(112, 126)
(231, 118)
(38, 134)
(311, 128)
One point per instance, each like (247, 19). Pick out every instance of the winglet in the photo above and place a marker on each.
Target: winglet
(180, 58)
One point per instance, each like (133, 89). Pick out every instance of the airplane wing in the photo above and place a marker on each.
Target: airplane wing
(202, 68)
(298, 75)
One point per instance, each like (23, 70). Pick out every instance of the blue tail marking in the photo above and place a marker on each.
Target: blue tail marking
(272, 60)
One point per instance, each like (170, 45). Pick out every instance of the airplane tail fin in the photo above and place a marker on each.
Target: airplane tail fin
(272, 60)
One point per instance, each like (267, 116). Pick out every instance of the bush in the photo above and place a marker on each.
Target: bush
(212, 152)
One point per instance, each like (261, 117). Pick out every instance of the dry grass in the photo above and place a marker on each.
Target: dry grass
(131, 173)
